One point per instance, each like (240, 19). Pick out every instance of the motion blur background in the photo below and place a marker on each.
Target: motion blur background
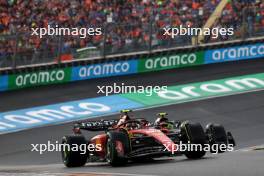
(128, 26)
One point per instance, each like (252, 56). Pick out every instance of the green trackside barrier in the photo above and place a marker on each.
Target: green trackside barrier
(200, 90)
(170, 61)
(45, 77)
(144, 64)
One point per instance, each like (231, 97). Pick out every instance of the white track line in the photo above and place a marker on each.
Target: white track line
(201, 99)
(69, 174)
(139, 109)
(246, 149)
(116, 174)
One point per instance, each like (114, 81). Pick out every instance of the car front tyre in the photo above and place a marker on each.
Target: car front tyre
(73, 158)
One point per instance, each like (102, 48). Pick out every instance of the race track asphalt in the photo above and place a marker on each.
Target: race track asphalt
(242, 114)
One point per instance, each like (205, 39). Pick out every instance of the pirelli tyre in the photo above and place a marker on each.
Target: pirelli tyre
(217, 135)
(73, 158)
(230, 138)
(193, 133)
(117, 148)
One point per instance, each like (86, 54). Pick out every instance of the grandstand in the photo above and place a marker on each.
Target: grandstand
(128, 26)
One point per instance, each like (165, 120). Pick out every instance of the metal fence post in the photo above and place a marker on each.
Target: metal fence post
(104, 39)
(150, 36)
(15, 53)
(59, 49)
(244, 24)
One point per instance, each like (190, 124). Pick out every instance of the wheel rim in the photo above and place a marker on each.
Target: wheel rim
(65, 153)
(108, 152)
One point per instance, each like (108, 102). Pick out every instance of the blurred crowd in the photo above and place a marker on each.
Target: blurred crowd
(125, 22)
(244, 16)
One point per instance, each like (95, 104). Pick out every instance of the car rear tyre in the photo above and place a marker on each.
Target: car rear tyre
(230, 139)
(113, 156)
(193, 133)
(217, 136)
(73, 158)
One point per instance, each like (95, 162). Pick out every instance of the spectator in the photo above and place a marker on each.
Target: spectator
(127, 20)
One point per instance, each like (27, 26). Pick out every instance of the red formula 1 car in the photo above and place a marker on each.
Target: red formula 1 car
(135, 139)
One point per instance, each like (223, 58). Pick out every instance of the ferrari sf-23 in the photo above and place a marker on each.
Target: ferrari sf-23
(135, 139)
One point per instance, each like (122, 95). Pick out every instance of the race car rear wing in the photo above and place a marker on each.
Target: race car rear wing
(101, 125)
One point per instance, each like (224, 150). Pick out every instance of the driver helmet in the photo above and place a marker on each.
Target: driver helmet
(124, 117)
(161, 119)
(163, 122)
